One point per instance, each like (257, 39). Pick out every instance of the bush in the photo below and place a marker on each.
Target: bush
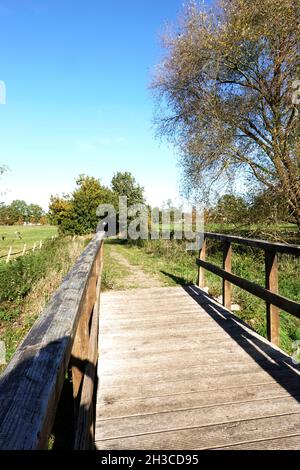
(18, 276)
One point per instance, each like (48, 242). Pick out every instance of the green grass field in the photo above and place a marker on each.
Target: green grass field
(16, 236)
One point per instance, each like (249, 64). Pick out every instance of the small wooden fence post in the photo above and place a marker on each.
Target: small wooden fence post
(24, 249)
(9, 254)
(227, 286)
(271, 270)
(201, 271)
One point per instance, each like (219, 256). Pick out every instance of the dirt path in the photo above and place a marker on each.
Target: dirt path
(136, 277)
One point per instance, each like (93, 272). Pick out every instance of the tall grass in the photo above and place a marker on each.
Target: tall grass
(27, 283)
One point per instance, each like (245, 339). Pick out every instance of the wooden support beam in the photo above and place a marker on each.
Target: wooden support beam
(201, 271)
(227, 286)
(271, 271)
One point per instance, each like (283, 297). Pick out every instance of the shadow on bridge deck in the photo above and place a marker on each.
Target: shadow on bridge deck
(178, 371)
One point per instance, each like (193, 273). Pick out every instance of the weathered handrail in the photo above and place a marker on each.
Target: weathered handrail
(269, 293)
(65, 336)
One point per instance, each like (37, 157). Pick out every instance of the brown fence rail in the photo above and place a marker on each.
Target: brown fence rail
(64, 337)
(269, 293)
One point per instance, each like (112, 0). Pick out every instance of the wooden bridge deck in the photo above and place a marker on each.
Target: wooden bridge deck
(177, 371)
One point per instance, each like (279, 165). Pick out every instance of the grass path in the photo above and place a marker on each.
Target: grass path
(135, 276)
(159, 270)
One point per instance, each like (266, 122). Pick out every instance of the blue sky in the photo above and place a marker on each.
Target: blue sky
(77, 75)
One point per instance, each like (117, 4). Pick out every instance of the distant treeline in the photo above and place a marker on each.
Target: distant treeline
(19, 212)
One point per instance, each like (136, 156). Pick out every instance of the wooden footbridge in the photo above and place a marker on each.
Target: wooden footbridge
(173, 368)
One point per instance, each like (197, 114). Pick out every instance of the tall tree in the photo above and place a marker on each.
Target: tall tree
(124, 184)
(228, 93)
(35, 213)
(20, 208)
(59, 209)
(89, 194)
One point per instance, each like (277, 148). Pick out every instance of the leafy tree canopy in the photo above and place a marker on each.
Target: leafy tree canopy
(227, 94)
(76, 214)
(124, 184)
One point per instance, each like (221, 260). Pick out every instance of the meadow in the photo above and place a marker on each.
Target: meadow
(16, 236)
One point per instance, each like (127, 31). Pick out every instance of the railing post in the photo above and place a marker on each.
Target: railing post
(201, 271)
(227, 286)
(271, 270)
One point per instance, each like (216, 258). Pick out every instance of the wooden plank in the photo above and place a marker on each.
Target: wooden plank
(191, 383)
(31, 384)
(140, 292)
(201, 271)
(187, 360)
(204, 416)
(231, 370)
(140, 347)
(227, 286)
(160, 320)
(240, 434)
(152, 308)
(291, 442)
(197, 355)
(149, 304)
(111, 407)
(163, 316)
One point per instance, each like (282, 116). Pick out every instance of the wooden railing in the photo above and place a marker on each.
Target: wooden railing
(268, 293)
(64, 339)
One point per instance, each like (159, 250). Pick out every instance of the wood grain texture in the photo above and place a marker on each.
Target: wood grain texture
(240, 433)
(85, 426)
(227, 287)
(271, 274)
(178, 371)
